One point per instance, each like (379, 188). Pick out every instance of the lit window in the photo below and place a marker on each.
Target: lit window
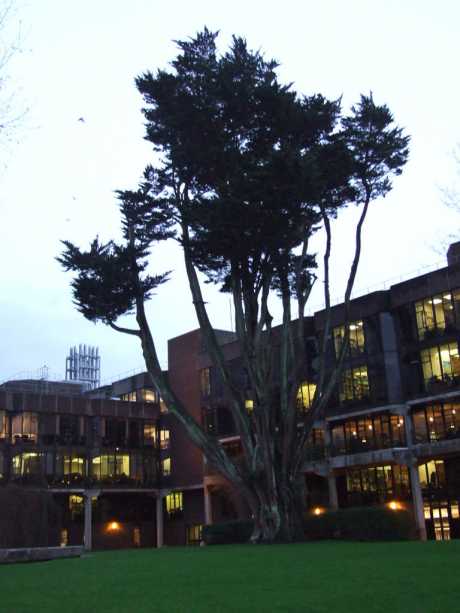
(194, 534)
(3, 425)
(166, 467)
(148, 395)
(25, 427)
(73, 465)
(26, 464)
(163, 407)
(440, 363)
(205, 382)
(174, 503)
(110, 466)
(355, 384)
(356, 340)
(249, 405)
(436, 313)
(305, 395)
(149, 434)
(76, 506)
(129, 397)
(164, 439)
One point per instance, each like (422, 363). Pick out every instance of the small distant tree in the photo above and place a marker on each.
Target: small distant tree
(249, 171)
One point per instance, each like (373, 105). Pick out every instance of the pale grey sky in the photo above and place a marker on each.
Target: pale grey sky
(80, 59)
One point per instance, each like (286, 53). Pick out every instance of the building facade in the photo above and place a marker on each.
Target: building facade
(126, 474)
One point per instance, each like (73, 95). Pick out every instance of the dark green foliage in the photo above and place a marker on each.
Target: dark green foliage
(361, 524)
(238, 531)
(28, 518)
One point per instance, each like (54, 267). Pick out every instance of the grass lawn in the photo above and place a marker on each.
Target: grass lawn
(322, 577)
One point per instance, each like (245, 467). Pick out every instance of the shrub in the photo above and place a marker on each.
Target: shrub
(361, 524)
(238, 531)
(28, 518)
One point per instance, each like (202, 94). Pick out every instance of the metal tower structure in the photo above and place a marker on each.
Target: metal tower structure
(84, 365)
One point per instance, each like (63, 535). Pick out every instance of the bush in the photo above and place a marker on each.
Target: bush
(361, 524)
(28, 518)
(238, 531)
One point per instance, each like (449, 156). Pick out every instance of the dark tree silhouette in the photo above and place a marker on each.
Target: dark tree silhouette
(250, 171)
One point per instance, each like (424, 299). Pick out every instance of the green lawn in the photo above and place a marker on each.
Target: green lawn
(320, 577)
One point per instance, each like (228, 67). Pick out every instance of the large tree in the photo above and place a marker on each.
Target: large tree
(249, 171)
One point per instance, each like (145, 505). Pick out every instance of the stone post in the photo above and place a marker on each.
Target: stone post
(207, 505)
(88, 496)
(417, 498)
(159, 519)
(332, 487)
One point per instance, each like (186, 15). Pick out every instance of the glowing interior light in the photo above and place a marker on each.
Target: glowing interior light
(446, 296)
(394, 506)
(353, 327)
(318, 511)
(437, 300)
(369, 427)
(431, 419)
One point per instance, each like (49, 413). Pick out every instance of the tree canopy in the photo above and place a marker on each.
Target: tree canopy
(249, 171)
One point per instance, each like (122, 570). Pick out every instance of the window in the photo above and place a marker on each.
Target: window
(174, 503)
(367, 433)
(356, 340)
(305, 395)
(205, 382)
(129, 397)
(115, 432)
(148, 395)
(164, 439)
(440, 363)
(110, 466)
(3, 425)
(163, 407)
(25, 427)
(76, 506)
(378, 483)
(150, 434)
(69, 429)
(432, 475)
(194, 534)
(436, 313)
(437, 422)
(355, 384)
(26, 464)
(249, 405)
(73, 465)
(166, 467)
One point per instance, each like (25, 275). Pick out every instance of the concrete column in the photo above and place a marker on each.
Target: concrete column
(88, 525)
(417, 500)
(159, 519)
(207, 505)
(332, 487)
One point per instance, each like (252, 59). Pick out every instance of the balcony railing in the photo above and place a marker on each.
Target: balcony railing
(360, 446)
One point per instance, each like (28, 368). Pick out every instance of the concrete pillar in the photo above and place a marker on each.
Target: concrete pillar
(207, 505)
(159, 519)
(417, 500)
(88, 525)
(332, 487)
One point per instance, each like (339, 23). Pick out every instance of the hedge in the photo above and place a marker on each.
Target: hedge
(361, 524)
(238, 531)
(28, 518)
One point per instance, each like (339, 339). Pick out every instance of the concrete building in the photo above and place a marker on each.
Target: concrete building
(127, 475)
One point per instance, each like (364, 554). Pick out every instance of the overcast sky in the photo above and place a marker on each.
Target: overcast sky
(80, 59)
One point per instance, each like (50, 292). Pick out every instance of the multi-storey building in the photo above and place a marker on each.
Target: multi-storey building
(126, 473)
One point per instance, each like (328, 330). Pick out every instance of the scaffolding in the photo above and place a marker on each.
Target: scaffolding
(83, 365)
